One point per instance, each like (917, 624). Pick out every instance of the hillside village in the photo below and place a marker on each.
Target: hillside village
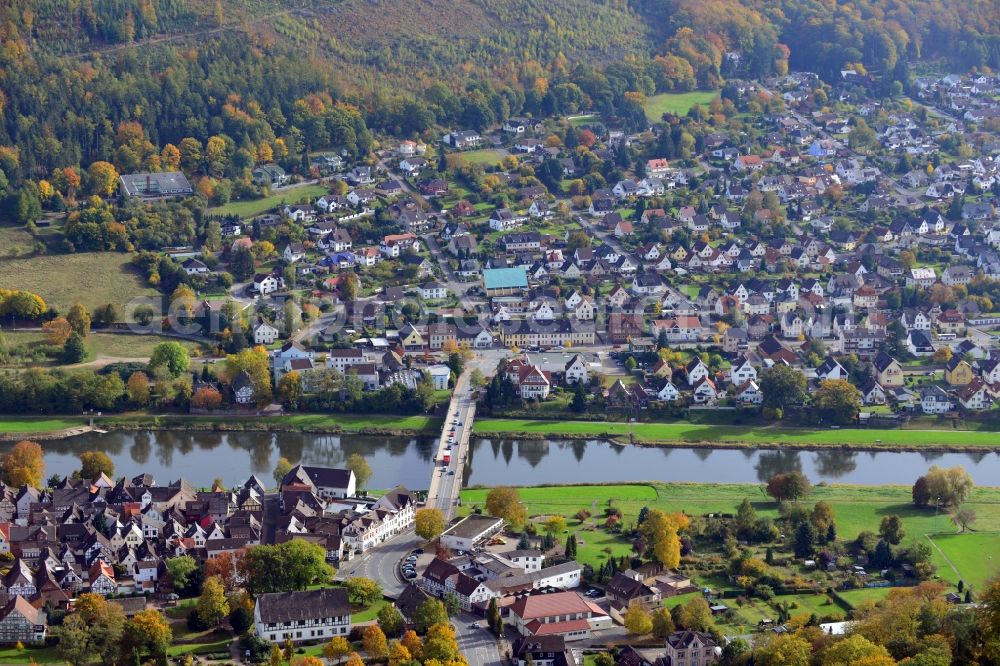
(857, 244)
(789, 253)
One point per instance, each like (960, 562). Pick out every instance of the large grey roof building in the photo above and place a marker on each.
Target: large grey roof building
(155, 185)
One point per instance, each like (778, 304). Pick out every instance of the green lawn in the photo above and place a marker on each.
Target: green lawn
(682, 433)
(368, 614)
(219, 646)
(976, 556)
(805, 604)
(91, 278)
(252, 207)
(859, 596)
(676, 103)
(28, 424)
(307, 422)
(587, 119)
(362, 422)
(486, 157)
(42, 655)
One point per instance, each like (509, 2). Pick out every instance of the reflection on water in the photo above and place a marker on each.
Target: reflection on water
(201, 456)
(528, 462)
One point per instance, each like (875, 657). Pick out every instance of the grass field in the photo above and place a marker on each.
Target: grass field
(976, 556)
(11, 425)
(486, 157)
(748, 435)
(91, 278)
(587, 119)
(131, 346)
(676, 103)
(107, 344)
(250, 208)
(313, 422)
(15, 242)
(857, 508)
(805, 604)
(861, 595)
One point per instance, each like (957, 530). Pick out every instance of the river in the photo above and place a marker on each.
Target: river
(200, 457)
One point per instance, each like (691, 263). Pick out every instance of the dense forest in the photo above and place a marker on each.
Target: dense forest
(214, 88)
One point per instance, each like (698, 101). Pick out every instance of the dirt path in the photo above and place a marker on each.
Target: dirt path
(103, 360)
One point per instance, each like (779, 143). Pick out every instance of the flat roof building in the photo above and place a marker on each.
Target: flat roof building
(471, 531)
(505, 281)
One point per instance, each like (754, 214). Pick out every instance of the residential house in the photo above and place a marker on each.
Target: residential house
(958, 372)
(576, 370)
(692, 648)
(933, 400)
(888, 371)
(20, 622)
(313, 615)
(264, 333)
(430, 291)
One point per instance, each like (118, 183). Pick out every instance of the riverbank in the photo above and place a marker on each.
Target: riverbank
(676, 434)
(699, 435)
(12, 428)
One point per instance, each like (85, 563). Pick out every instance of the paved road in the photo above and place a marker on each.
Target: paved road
(381, 563)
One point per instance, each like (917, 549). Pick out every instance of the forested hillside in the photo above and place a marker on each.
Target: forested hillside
(130, 81)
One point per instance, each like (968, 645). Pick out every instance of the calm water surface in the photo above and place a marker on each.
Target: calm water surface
(199, 457)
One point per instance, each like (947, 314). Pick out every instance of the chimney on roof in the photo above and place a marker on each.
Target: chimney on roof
(148, 182)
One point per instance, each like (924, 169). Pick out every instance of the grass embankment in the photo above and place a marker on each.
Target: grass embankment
(738, 436)
(857, 508)
(91, 278)
(371, 423)
(252, 207)
(676, 103)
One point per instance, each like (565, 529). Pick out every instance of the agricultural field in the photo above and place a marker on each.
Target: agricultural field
(252, 207)
(685, 432)
(91, 278)
(676, 103)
